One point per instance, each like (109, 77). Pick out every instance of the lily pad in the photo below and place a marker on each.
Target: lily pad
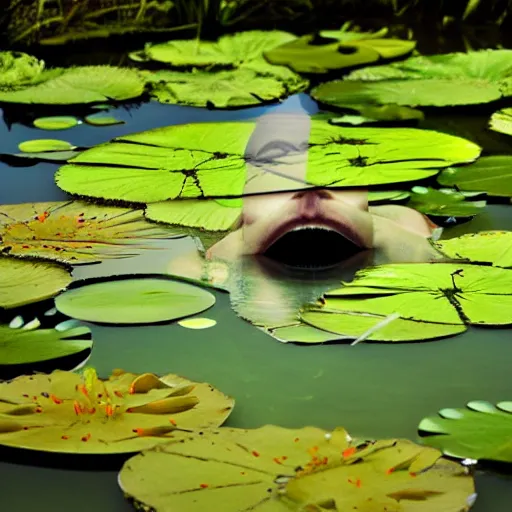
(25, 346)
(205, 214)
(480, 431)
(79, 85)
(308, 55)
(75, 232)
(197, 323)
(68, 412)
(493, 247)
(379, 114)
(243, 87)
(443, 203)
(102, 119)
(18, 68)
(501, 121)
(279, 469)
(56, 122)
(345, 35)
(380, 196)
(491, 174)
(49, 156)
(208, 160)
(25, 281)
(137, 300)
(420, 301)
(229, 51)
(43, 145)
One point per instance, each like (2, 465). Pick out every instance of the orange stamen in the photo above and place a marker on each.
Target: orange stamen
(255, 453)
(348, 452)
(172, 422)
(109, 410)
(413, 475)
(55, 400)
(276, 460)
(203, 486)
(65, 437)
(85, 438)
(390, 470)
(78, 409)
(39, 409)
(118, 393)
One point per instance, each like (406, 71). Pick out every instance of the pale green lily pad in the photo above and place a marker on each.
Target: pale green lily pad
(501, 121)
(208, 160)
(18, 68)
(426, 300)
(197, 323)
(25, 346)
(304, 56)
(378, 196)
(25, 281)
(490, 174)
(43, 145)
(443, 204)
(303, 333)
(137, 300)
(231, 50)
(56, 122)
(345, 35)
(195, 213)
(79, 85)
(50, 156)
(379, 114)
(481, 431)
(102, 119)
(493, 247)
(243, 87)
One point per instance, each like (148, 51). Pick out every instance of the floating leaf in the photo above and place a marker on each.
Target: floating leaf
(56, 122)
(83, 84)
(345, 35)
(204, 214)
(208, 160)
(247, 86)
(18, 68)
(22, 346)
(49, 156)
(102, 119)
(231, 50)
(197, 323)
(501, 121)
(42, 145)
(491, 174)
(484, 247)
(429, 301)
(279, 469)
(134, 301)
(26, 281)
(75, 232)
(377, 196)
(67, 412)
(481, 431)
(302, 333)
(379, 114)
(443, 203)
(309, 55)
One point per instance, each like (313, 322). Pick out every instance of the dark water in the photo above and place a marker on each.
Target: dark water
(374, 390)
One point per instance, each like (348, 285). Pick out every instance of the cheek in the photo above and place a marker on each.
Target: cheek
(356, 198)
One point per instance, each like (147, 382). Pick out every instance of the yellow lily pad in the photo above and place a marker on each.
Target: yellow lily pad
(197, 323)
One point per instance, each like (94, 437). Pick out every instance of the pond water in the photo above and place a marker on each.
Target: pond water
(374, 390)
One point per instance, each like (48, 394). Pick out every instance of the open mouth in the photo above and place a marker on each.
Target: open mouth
(312, 247)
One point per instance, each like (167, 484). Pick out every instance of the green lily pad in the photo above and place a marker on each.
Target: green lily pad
(501, 121)
(420, 301)
(493, 247)
(345, 35)
(208, 160)
(443, 203)
(197, 323)
(380, 196)
(491, 174)
(18, 68)
(285, 470)
(305, 55)
(480, 431)
(84, 84)
(75, 232)
(102, 119)
(22, 346)
(231, 50)
(71, 413)
(49, 156)
(25, 281)
(379, 114)
(42, 145)
(303, 333)
(204, 214)
(56, 122)
(138, 300)
(243, 87)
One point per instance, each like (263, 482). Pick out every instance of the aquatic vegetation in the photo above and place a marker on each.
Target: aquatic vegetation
(102, 119)
(309, 54)
(493, 247)
(25, 344)
(384, 196)
(501, 121)
(481, 431)
(56, 122)
(18, 68)
(491, 174)
(281, 469)
(75, 232)
(197, 323)
(439, 80)
(381, 114)
(81, 413)
(26, 281)
(208, 159)
(419, 301)
(45, 145)
(134, 300)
